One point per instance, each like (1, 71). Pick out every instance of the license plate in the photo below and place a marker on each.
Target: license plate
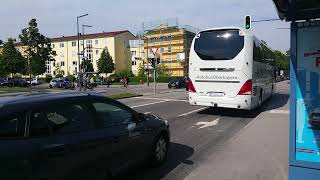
(215, 94)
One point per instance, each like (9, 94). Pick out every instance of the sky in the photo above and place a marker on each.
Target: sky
(58, 17)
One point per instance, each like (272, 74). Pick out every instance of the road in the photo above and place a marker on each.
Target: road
(198, 133)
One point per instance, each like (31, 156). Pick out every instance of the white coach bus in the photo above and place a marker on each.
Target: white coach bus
(230, 68)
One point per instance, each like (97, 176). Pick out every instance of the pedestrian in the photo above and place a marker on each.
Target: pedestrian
(108, 81)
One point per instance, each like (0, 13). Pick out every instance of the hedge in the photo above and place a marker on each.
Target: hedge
(160, 79)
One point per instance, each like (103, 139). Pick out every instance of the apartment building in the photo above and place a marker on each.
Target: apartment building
(91, 46)
(137, 54)
(173, 44)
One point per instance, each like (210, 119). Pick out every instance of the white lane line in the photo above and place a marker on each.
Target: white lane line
(148, 104)
(194, 111)
(279, 111)
(161, 99)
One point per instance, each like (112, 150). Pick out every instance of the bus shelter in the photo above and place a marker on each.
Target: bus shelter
(304, 145)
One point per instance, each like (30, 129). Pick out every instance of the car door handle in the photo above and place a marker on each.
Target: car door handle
(55, 150)
(115, 139)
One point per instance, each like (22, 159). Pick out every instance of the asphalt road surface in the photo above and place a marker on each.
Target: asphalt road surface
(196, 132)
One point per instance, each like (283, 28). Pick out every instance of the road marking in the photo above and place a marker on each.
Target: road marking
(148, 104)
(208, 124)
(279, 112)
(194, 111)
(161, 99)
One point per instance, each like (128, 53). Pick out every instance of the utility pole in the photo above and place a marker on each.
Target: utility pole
(154, 75)
(148, 72)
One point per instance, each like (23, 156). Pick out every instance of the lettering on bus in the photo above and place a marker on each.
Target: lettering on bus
(216, 77)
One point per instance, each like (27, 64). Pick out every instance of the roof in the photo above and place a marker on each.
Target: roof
(89, 36)
(292, 10)
(86, 36)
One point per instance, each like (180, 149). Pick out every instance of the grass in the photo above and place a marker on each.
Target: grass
(22, 88)
(123, 95)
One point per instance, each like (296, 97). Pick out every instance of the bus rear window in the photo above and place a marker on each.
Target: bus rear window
(219, 44)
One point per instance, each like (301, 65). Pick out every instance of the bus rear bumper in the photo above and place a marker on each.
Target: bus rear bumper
(238, 102)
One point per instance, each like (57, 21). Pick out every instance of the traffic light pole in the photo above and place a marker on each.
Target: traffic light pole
(154, 76)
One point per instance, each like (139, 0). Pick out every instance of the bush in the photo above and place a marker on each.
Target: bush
(59, 76)
(137, 79)
(164, 79)
(48, 78)
(71, 78)
(17, 76)
(114, 78)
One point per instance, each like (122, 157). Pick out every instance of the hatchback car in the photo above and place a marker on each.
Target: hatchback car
(3, 82)
(60, 83)
(178, 82)
(76, 136)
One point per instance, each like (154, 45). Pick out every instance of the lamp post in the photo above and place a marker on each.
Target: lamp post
(78, 35)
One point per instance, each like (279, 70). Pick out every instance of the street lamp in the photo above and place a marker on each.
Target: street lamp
(78, 35)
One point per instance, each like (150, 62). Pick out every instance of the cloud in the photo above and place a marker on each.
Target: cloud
(58, 17)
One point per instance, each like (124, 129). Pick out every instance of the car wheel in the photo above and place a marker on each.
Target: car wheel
(50, 86)
(169, 87)
(160, 150)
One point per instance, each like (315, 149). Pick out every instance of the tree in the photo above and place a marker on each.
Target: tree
(38, 48)
(162, 70)
(141, 71)
(105, 62)
(1, 41)
(87, 65)
(12, 61)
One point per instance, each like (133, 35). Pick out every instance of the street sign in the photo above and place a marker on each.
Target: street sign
(154, 50)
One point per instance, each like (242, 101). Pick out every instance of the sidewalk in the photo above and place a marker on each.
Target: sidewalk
(257, 152)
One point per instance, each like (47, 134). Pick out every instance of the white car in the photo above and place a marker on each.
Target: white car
(35, 81)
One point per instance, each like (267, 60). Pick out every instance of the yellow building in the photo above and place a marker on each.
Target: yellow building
(173, 44)
(66, 48)
(137, 54)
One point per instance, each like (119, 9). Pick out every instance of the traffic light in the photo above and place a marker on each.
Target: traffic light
(154, 61)
(248, 22)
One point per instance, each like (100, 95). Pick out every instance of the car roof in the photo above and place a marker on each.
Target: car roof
(25, 100)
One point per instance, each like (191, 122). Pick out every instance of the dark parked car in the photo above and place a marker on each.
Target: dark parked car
(18, 83)
(179, 82)
(76, 136)
(3, 82)
(314, 118)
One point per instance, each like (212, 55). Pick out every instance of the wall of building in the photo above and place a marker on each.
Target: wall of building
(122, 51)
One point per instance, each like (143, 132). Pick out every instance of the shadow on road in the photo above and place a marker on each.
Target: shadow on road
(178, 154)
(276, 101)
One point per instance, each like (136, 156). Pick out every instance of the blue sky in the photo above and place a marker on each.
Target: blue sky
(58, 17)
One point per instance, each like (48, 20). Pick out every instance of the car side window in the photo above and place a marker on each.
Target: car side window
(68, 118)
(111, 115)
(12, 126)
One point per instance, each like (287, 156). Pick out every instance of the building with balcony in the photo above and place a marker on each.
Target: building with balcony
(173, 46)
(66, 49)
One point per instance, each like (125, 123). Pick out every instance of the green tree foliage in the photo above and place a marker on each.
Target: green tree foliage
(141, 71)
(1, 41)
(59, 76)
(87, 65)
(162, 70)
(11, 61)
(282, 60)
(105, 62)
(38, 48)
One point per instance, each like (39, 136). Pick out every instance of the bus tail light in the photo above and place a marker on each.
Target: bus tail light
(191, 86)
(246, 89)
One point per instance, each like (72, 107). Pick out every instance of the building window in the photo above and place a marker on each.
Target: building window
(97, 52)
(74, 43)
(61, 45)
(62, 63)
(62, 72)
(161, 38)
(96, 42)
(53, 46)
(74, 63)
(133, 53)
(53, 64)
(162, 50)
(169, 38)
(169, 50)
(54, 73)
(169, 61)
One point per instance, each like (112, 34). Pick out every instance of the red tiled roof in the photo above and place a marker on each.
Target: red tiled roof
(86, 36)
